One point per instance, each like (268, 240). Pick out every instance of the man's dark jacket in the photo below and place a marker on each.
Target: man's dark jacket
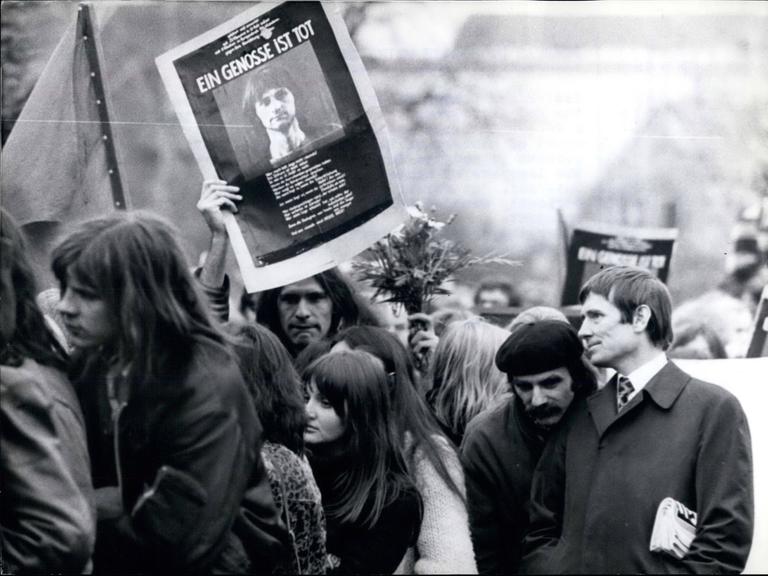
(194, 494)
(500, 450)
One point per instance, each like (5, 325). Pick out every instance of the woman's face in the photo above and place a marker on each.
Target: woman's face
(86, 316)
(324, 423)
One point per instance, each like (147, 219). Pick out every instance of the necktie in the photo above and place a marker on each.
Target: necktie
(623, 391)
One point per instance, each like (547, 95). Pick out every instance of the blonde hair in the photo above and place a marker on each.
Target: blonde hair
(466, 380)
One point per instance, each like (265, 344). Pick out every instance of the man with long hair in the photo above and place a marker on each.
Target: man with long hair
(270, 102)
(502, 446)
(172, 432)
(653, 436)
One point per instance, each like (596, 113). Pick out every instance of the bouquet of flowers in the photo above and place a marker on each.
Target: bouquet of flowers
(411, 264)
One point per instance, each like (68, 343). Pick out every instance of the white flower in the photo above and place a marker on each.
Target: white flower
(417, 211)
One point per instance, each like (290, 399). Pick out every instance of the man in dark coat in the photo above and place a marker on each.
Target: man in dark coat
(544, 365)
(652, 433)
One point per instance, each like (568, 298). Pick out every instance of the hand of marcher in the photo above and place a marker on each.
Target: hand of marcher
(215, 196)
(421, 339)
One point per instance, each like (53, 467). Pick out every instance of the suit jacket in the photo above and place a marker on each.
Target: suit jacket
(600, 480)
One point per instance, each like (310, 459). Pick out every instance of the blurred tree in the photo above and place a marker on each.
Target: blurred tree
(29, 31)
(355, 15)
(16, 50)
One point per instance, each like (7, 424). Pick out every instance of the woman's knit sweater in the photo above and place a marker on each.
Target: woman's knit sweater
(444, 544)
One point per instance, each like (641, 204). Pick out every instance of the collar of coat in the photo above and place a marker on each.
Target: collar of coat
(663, 390)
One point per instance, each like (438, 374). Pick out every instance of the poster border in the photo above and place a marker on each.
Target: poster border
(322, 257)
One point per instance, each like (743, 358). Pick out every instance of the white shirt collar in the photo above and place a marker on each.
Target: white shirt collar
(642, 375)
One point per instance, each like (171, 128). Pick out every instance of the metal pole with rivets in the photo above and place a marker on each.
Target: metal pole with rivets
(89, 35)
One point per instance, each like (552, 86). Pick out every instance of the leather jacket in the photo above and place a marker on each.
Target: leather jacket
(183, 454)
(47, 525)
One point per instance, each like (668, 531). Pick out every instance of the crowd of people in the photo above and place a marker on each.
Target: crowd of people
(146, 428)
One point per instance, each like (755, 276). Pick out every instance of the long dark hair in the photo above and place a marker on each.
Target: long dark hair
(411, 413)
(135, 264)
(354, 382)
(31, 337)
(347, 309)
(273, 382)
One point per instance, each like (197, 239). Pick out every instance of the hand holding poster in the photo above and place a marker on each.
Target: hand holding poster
(276, 101)
(597, 246)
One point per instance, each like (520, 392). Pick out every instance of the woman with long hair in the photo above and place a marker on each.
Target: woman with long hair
(273, 382)
(465, 379)
(172, 432)
(47, 523)
(277, 394)
(444, 544)
(372, 507)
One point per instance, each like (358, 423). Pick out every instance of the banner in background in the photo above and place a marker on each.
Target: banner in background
(277, 102)
(597, 246)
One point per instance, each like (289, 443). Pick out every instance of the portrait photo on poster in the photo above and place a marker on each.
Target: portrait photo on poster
(279, 112)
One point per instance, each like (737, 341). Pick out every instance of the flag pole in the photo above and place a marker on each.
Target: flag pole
(89, 35)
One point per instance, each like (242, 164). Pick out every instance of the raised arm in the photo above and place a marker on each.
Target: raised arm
(215, 196)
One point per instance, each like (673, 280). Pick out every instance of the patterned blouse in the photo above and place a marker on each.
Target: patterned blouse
(296, 494)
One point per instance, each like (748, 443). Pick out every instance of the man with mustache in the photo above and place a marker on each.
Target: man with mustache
(544, 365)
(651, 433)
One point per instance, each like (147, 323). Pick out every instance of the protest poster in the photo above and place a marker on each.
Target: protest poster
(597, 246)
(277, 102)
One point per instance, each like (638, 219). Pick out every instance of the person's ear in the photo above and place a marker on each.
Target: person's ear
(641, 317)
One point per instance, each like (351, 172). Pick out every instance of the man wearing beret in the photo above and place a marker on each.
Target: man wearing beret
(650, 434)
(544, 365)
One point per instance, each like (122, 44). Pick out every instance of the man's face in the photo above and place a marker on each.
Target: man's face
(607, 340)
(305, 312)
(86, 318)
(276, 108)
(492, 298)
(545, 396)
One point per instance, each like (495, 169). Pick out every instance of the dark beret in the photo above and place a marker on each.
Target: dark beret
(537, 347)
